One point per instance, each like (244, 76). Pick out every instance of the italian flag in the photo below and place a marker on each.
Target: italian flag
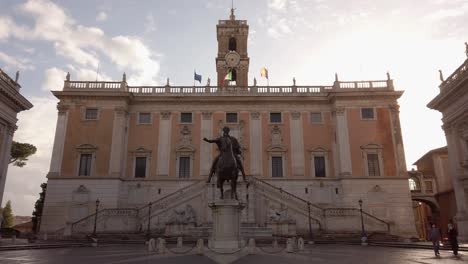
(228, 76)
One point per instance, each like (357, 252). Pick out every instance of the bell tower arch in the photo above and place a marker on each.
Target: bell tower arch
(232, 36)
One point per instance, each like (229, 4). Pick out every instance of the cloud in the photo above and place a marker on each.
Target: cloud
(83, 45)
(277, 4)
(36, 126)
(15, 63)
(102, 16)
(150, 23)
(54, 79)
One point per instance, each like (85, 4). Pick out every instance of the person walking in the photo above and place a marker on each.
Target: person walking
(434, 236)
(452, 236)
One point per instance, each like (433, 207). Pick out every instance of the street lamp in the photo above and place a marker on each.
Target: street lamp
(363, 232)
(149, 220)
(95, 217)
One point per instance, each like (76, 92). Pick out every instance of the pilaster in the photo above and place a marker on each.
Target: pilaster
(397, 140)
(255, 144)
(205, 148)
(164, 144)
(7, 142)
(342, 140)
(118, 140)
(59, 140)
(297, 144)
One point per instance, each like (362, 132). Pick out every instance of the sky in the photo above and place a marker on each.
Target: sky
(152, 40)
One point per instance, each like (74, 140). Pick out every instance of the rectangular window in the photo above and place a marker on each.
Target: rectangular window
(140, 167)
(184, 167)
(429, 187)
(144, 118)
(373, 164)
(276, 166)
(275, 117)
(231, 117)
(316, 118)
(319, 165)
(367, 113)
(186, 117)
(91, 114)
(85, 164)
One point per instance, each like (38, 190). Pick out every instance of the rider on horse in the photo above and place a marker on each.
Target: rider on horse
(235, 148)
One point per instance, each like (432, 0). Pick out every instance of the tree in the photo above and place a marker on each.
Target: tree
(37, 213)
(8, 218)
(20, 153)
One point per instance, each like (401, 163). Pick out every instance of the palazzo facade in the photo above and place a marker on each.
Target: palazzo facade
(311, 153)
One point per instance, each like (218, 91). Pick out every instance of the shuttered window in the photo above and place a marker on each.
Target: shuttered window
(140, 167)
(184, 167)
(85, 164)
(373, 164)
(319, 164)
(276, 166)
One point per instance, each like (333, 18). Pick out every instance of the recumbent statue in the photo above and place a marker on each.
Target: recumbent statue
(228, 163)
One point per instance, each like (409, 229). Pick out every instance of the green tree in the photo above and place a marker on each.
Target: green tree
(37, 213)
(20, 153)
(8, 218)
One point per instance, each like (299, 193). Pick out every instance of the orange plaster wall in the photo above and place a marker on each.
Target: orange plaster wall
(97, 133)
(363, 132)
(145, 136)
(317, 135)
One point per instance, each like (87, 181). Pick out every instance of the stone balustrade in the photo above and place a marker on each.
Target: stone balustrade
(227, 91)
(456, 78)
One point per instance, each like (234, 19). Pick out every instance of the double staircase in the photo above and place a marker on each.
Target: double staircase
(140, 221)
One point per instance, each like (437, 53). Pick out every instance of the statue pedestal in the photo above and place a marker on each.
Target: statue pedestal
(226, 224)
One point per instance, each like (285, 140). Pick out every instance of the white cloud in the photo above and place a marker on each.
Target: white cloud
(102, 16)
(81, 44)
(54, 79)
(277, 4)
(36, 126)
(15, 63)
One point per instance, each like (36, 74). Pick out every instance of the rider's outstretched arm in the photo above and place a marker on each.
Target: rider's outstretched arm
(211, 140)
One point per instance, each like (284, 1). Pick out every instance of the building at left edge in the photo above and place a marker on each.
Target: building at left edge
(11, 103)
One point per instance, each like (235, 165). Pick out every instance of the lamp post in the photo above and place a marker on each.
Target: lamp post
(363, 232)
(149, 220)
(95, 217)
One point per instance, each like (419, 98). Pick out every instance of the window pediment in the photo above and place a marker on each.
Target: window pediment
(86, 148)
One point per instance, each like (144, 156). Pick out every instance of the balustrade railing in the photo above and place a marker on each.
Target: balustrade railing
(230, 90)
(460, 74)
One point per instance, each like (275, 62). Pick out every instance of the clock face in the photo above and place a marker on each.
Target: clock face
(232, 59)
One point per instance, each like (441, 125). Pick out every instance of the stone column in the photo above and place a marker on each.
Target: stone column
(297, 144)
(59, 141)
(6, 147)
(118, 143)
(399, 150)
(205, 148)
(255, 144)
(456, 173)
(164, 144)
(342, 140)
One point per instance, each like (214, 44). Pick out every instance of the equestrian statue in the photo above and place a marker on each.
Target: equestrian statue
(228, 163)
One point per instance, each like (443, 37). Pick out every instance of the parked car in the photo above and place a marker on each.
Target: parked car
(9, 232)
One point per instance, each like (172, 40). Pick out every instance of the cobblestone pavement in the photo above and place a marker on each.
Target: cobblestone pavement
(313, 254)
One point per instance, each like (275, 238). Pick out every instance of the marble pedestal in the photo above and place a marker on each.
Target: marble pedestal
(226, 224)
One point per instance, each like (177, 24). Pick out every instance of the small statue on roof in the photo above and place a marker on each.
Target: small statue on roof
(208, 81)
(388, 75)
(124, 77)
(294, 81)
(441, 76)
(167, 82)
(466, 49)
(255, 82)
(17, 77)
(68, 76)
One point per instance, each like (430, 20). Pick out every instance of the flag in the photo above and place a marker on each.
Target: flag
(197, 77)
(228, 76)
(264, 72)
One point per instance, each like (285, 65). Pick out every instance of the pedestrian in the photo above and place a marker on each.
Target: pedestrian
(452, 236)
(434, 236)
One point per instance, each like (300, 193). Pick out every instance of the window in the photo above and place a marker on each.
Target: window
(231, 117)
(373, 164)
(91, 114)
(429, 187)
(232, 44)
(316, 118)
(85, 164)
(414, 184)
(319, 166)
(275, 117)
(140, 167)
(144, 118)
(184, 167)
(276, 166)
(186, 117)
(367, 113)
(234, 75)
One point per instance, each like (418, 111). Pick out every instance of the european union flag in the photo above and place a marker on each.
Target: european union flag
(197, 77)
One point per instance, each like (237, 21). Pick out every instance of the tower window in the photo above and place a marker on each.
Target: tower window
(232, 44)
(234, 75)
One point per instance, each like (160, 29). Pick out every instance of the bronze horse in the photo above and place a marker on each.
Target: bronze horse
(226, 165)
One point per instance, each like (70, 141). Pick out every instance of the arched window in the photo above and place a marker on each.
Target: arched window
(414, 184)
(234, 75)
(232, 44)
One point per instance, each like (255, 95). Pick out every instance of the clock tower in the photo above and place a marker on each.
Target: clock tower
(232, 56)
